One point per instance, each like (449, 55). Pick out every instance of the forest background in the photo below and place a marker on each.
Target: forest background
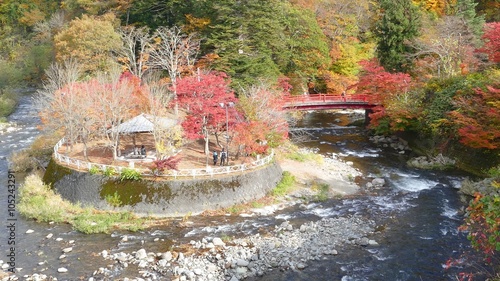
(431, 65)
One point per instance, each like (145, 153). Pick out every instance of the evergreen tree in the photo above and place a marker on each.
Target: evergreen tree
(466, 9)
(399, 22)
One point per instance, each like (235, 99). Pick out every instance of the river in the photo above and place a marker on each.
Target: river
(420, 212)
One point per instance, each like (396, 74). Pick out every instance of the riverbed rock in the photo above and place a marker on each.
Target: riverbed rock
(437, 162)
(218, 242)
(62, 270)
(67, 250)
(166, 256)
(141, 254)
(378, 182)
(363, 241)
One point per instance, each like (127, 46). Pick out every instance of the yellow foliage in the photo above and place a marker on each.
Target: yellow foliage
(195, 24)
(90, 40)
(30, 18)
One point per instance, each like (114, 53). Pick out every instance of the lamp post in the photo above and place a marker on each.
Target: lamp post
(226, 105)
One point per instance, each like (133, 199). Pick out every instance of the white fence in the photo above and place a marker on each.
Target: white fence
(182, 173)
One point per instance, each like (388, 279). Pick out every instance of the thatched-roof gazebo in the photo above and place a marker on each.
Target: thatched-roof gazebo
(144, 123)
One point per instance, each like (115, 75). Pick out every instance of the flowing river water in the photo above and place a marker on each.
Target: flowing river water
(418, 213)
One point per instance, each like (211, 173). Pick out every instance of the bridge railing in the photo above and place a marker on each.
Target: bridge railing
(181, 173)
(301, 99)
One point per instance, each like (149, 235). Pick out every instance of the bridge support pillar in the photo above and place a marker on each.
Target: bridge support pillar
(368, 111)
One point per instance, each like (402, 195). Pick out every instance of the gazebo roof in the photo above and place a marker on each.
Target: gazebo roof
(144, 123)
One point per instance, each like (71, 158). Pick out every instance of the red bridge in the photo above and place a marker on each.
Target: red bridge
(322, 102)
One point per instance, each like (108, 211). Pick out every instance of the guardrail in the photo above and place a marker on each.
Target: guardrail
(326, 98)
(181, 173)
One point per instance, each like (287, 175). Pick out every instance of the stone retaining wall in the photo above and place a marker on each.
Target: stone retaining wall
(162, 197)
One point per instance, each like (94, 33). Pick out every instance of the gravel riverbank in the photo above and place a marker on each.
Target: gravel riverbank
(287, 247)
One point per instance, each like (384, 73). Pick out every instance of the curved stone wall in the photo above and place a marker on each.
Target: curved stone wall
(162, 197)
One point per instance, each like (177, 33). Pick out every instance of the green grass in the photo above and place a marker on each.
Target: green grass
(293, 152)
(256, 204)
(301, 156)
(39, 202)
(89, 221)
(235, 209)
(285, 185)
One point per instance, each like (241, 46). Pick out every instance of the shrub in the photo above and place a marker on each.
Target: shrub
(323, 190)
(109, 171)
(7, 105)
(483, 225)
(130, 174)
(494, 172)
(94, 170)
(36, 155)
(303, 156)
(170, 163)
(114, 199)
(22, 161)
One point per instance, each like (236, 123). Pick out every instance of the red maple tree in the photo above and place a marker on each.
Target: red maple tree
(478, 118)
(390, 92)
(205, 98)
(491, 39)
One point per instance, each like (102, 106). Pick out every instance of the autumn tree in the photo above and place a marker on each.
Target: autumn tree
(166, 132)
(58, 102)
(265, 123)
(134, 53)
(347, 25)
(436, 7)
(445, 49)
(477, 118)
(89, 39)
(174, 52)
(397, 105)
(399, 22)
(117, 97)
(200, 96)
(491, 40)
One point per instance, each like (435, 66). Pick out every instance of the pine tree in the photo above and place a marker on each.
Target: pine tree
(399, 22)
(466, 9)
